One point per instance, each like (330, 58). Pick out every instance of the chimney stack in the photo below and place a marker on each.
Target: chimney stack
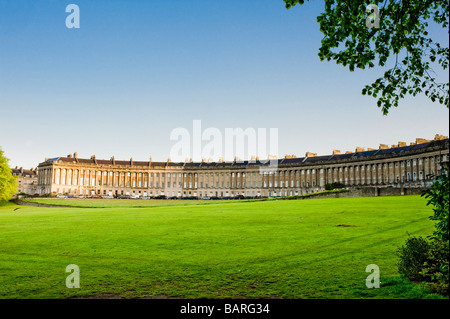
(439, 137)
(309, 154)
(336, 152)
(384, 146)
(421, 140)
(402, 144)
(360, 149)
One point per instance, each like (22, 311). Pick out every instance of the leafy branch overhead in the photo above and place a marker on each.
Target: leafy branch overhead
(403, 35)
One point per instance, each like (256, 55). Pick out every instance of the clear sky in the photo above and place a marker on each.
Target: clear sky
(136, 70)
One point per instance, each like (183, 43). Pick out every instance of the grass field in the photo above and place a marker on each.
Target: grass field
(317, 248)
(108, 203)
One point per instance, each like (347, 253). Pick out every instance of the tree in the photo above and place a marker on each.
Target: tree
(8, 183)
(352, 38)
(438, 197)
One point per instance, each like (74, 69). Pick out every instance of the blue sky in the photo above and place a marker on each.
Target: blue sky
(136, 70)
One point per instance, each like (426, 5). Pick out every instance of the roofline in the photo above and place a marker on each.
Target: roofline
(358, 156)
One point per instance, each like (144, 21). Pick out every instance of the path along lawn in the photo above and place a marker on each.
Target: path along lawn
(317, 248)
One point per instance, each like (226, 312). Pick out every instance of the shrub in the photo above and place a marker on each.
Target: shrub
(435, 269)
(331, 186)
(413, 255)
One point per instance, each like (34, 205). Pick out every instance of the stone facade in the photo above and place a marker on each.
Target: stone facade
(399, 165)
(27, 180)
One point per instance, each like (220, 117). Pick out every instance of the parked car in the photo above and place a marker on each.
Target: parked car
(173, 197)
(61, 196)
(161, 197)
(214, 198)
(239, 197)
(206, 197)
(123, 197)
(107, 197)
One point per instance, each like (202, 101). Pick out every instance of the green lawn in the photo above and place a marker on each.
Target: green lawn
(112, 203)
(316, 248)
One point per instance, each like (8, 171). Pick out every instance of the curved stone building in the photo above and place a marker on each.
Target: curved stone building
(398, 165)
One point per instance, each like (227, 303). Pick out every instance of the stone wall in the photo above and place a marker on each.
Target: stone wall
(373, 192)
